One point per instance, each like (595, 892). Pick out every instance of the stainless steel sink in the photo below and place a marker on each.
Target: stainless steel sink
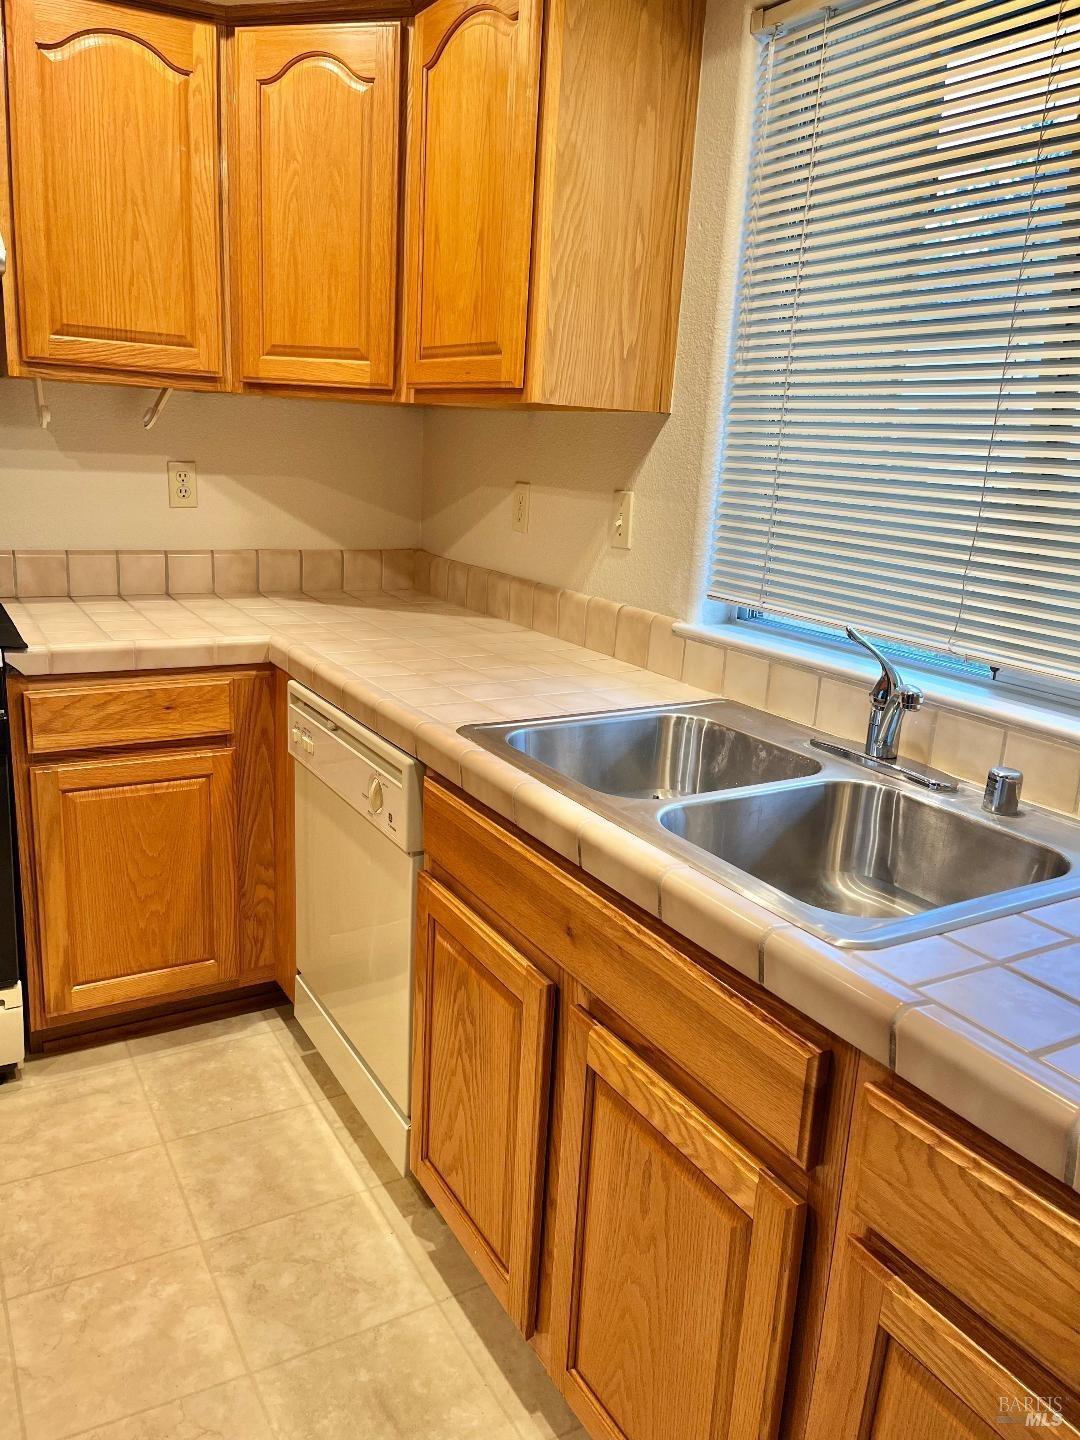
(863, 849)
(658, 755)
(860, 861)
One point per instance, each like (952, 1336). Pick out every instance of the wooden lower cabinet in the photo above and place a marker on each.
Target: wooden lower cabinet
(153, 817)
(481, 1054)
(747, 1230)
(954, 1298)
(136, 872)
(677, 1257)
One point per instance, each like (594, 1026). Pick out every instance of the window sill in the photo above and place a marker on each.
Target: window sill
(1005, 704)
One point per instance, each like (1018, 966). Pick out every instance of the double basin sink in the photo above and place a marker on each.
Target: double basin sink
(746, 797)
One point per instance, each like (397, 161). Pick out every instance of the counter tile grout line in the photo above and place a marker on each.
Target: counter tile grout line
(904, 1008)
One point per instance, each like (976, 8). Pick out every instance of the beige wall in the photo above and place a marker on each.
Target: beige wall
(574, 461)
(271, 472)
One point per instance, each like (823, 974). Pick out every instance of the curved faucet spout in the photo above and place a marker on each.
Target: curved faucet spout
(890, 699)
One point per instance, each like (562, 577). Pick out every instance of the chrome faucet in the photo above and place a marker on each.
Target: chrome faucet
(890, 700)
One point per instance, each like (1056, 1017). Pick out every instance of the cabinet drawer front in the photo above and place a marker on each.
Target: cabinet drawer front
(761, 1070)
(1009, 1254)
(676, 1258)
(481, 1065)
(128, 712)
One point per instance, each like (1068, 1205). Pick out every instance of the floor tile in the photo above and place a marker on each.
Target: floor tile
(85, 1117)
(261, 1170)
(293, 1284)
(73, 1222)
(408, 1380)
(207, 1086)
(63, 1066)
(113, 1344)
(227, 1412)
(228, 1027)
(353, 1133)
(10, 1426)
(428, 1239)
(508, 1365)
(316, 1076)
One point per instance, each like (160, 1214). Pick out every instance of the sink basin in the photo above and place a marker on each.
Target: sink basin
(657, 755)
(862, 849)
(863, 860)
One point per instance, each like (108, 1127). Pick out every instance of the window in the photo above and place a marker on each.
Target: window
(902, 437)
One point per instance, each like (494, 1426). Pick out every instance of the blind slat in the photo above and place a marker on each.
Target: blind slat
(903, 410)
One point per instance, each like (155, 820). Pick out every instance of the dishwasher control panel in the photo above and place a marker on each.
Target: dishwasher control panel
(375, 778)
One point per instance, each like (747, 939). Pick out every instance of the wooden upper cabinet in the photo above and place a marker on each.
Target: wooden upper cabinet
(114, 149)
(481, 1054)
(676, 1258)
(136, 877)
(317, 179)
(473, 95)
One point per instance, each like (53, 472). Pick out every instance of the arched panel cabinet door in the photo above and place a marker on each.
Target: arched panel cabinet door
(317, 174)
(473, 89)
(114, 147)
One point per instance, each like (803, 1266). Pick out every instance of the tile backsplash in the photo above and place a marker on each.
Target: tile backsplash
(83, 574)
(952, 740)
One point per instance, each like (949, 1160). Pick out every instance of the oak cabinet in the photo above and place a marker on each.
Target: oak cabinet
(481, 1052)
(563, 290)
(317, 198)
(136, 869)
(220, 207)
(954, 1296)
(473, 93)
(677, 1256)
(153, 819)
(747, 1230)
(116, 179)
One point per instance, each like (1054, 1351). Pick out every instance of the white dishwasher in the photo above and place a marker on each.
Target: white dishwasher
(359, 844)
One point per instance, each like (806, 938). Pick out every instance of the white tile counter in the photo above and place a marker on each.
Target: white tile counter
(986, 1020)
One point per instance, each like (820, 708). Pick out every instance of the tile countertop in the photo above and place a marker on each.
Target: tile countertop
(985, 1019)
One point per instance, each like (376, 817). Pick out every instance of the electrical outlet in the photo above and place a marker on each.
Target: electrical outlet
(622, 520)
(520, 521)
(183, 484)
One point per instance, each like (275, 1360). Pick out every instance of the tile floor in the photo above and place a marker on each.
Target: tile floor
(199, 1238)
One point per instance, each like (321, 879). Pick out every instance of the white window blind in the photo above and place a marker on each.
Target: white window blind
(902, 438)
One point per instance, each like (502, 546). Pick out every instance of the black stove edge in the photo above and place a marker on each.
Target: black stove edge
(10, 639)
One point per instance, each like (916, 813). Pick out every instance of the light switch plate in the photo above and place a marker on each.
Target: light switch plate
(520, 520)
(622, 520)
(183, 484)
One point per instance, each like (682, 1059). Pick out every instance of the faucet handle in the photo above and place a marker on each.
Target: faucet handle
(911, 697)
